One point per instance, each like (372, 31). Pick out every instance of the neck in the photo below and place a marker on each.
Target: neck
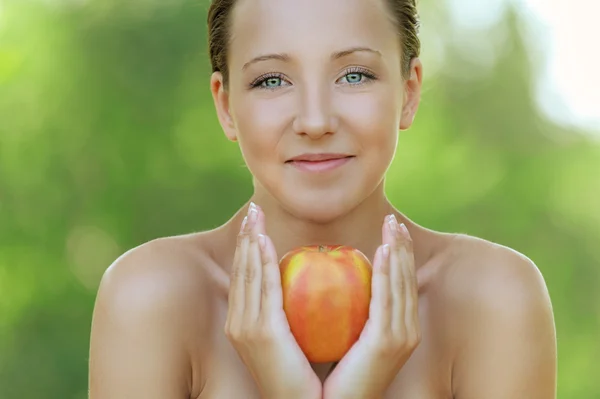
(360, 228)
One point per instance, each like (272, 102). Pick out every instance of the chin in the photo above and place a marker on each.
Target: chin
(320, 207)
(321, 202)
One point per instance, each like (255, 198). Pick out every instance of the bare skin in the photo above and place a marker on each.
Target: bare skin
(487, 329)
(484, 311)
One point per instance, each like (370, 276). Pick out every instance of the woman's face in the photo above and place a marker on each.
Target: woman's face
(314, 77)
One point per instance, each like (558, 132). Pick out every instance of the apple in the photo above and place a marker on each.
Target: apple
(326, 295)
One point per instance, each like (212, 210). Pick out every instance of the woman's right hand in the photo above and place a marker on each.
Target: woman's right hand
(256, 324)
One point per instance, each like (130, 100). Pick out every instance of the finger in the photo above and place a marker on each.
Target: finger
(271, 291)
(253, 276)
(387, 234)
(260, 222)
(396, 279)
(237, 286)
(381, 301)
(234, 272)
(409, 273)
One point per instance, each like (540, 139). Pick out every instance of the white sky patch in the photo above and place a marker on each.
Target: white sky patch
(568, 85)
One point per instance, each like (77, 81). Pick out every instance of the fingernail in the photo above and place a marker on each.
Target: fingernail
(251, 208)
(244, 223)
(253, 215)
(392, 224)
(404, 230)
(261, 241)
(385, 251)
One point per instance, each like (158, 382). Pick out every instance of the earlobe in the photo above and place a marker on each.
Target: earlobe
(408, 117)
(221, 101)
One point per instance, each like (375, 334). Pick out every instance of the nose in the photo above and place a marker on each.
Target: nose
(315, 117)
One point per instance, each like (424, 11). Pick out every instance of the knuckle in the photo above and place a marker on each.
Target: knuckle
(405, 240)
(253, 238)
(267, 287)
(244, 335)
(414, 339)
(401, 287)
(388, 343)
(398, 344)
(250, 275)
(412, 343)
(263, 334)
(385, 269)
(260, 335)
(405, 250)
(384, 342)
(413, 279)
(399, 341)
(236, 273)
(240, 239)
(408, 343)
(265, 260)
(250, 335)
(388, 303)
(403, 347)
(232, 335)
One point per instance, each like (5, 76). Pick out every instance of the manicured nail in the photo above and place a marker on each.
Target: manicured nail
(261, 241)
(253, 214)
(251, 208)
(393, 224)
(404, 230)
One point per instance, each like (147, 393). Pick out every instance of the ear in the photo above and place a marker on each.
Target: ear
(221, 99)
(412, 94)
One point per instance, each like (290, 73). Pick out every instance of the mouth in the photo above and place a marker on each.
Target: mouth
(319, 164)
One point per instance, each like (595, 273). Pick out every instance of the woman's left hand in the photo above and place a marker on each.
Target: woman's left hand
(392, 332)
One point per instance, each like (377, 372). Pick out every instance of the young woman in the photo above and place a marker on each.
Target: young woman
(315, 92)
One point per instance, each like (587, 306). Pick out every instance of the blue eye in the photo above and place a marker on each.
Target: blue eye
(354, 77)
(271, 82)
(357, 76)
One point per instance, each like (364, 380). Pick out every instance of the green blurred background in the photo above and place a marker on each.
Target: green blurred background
(108, 138)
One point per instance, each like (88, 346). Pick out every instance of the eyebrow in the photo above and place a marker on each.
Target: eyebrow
(286, 57)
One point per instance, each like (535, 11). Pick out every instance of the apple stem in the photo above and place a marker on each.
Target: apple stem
(321, 248)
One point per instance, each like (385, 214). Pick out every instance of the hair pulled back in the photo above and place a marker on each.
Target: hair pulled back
(404, 13)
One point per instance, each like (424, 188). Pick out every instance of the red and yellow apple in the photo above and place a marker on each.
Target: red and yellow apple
(326, 295)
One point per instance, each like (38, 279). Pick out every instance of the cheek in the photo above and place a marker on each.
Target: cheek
(373, 117)
(261, 124)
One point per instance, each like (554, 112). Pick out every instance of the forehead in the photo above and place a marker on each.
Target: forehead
(309, 26)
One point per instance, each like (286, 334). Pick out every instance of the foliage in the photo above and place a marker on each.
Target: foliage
(108, 138)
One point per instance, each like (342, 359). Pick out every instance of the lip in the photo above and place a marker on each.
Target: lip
(325, 165)
(314, 157)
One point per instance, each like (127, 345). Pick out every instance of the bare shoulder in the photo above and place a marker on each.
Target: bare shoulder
(165, 275)
(502, 322)
(483, 273)
(152, 311)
